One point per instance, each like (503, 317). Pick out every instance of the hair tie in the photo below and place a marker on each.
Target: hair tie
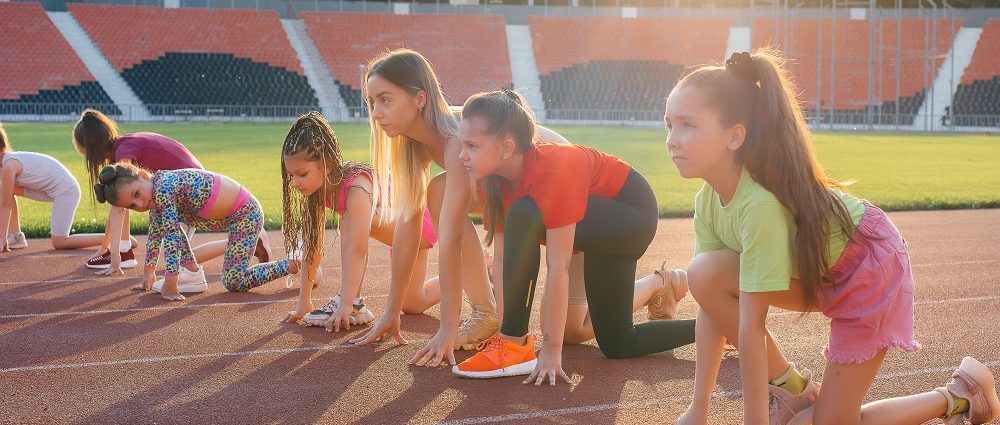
(741, 65)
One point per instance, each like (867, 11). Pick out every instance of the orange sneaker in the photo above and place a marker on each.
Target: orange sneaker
(499, 357)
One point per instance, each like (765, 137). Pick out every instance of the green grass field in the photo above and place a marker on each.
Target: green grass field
(895, 171)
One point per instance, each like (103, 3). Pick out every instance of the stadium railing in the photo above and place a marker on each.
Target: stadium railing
(837, 120)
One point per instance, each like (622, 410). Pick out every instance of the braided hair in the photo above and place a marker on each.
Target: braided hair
(304, 218)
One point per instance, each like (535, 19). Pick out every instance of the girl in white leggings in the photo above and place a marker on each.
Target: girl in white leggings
(41, 178)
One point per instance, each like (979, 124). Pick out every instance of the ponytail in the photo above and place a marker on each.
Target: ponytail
(93, 135)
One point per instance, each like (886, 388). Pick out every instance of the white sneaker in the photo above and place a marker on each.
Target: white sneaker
(188, 282)
(360, 314)
(16, 240)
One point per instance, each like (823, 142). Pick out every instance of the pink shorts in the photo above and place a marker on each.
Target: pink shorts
(427, 229)
(870, 302)
(427, 232)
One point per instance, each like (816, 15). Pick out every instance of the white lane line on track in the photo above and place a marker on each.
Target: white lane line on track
(662, 400)
(956, 263)
(119, 278)
(147, 360)
(172, 307)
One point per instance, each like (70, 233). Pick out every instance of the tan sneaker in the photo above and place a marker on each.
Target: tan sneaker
(479, 326)
(783, 405)
(974, 382)
(663, 305)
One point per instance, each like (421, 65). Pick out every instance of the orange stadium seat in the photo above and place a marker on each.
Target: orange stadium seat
(40, 67)
(468, 52)
(810, 44)
(615, 68)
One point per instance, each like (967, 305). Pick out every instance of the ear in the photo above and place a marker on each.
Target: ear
(421, 98)
(508, 147)
(145, 174)
(737, 135)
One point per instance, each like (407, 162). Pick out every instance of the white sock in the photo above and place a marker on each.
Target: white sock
(124, 246)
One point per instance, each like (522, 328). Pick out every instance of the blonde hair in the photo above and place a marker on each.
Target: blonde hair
(402, 156)
(4, 145)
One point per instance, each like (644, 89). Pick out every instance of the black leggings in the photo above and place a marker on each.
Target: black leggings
(614, 234)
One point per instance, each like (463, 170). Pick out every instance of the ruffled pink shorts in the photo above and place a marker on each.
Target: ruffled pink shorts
(870, 301)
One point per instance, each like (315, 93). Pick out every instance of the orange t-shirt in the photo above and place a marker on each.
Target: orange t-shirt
(560, 178)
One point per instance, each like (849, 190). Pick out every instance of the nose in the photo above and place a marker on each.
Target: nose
(672, 142)
(464, 154)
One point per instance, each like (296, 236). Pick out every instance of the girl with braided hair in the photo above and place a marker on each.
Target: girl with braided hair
(315, 178)
(199, 199)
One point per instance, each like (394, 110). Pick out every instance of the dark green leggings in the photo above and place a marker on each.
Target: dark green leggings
(614, 234)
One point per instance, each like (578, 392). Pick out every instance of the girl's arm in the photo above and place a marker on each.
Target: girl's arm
(117, 218)
(558, 253)
(405, 244)
(453, 218)
(309, 272)
(355, 228)
(7, 203)
(753, 355)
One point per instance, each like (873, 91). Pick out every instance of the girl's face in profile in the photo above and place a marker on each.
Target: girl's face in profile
(696, 140)
(394, 109)
(481, 152)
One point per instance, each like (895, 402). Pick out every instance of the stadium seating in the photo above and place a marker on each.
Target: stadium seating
(977, 100)
(468, 52)
(615, 68)
(809, 45)
(40, 67)
(222, 61)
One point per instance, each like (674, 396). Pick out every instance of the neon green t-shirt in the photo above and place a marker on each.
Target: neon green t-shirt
(758, 227)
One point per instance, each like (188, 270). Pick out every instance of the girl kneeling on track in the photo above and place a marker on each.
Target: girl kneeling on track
(200, 199)
(773, 230)
(571, 198)
(97, 137)
(315, 178)
(41, 178)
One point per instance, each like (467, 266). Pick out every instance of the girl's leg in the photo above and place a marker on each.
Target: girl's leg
(714, 281)
(611, 312)
(421, 295)
(521, 255)
(709, 344)
(63, 209)
(210, 250)
(237, 275)
(844, 389)
(475, 281)
(613, 235)
(579, 328)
